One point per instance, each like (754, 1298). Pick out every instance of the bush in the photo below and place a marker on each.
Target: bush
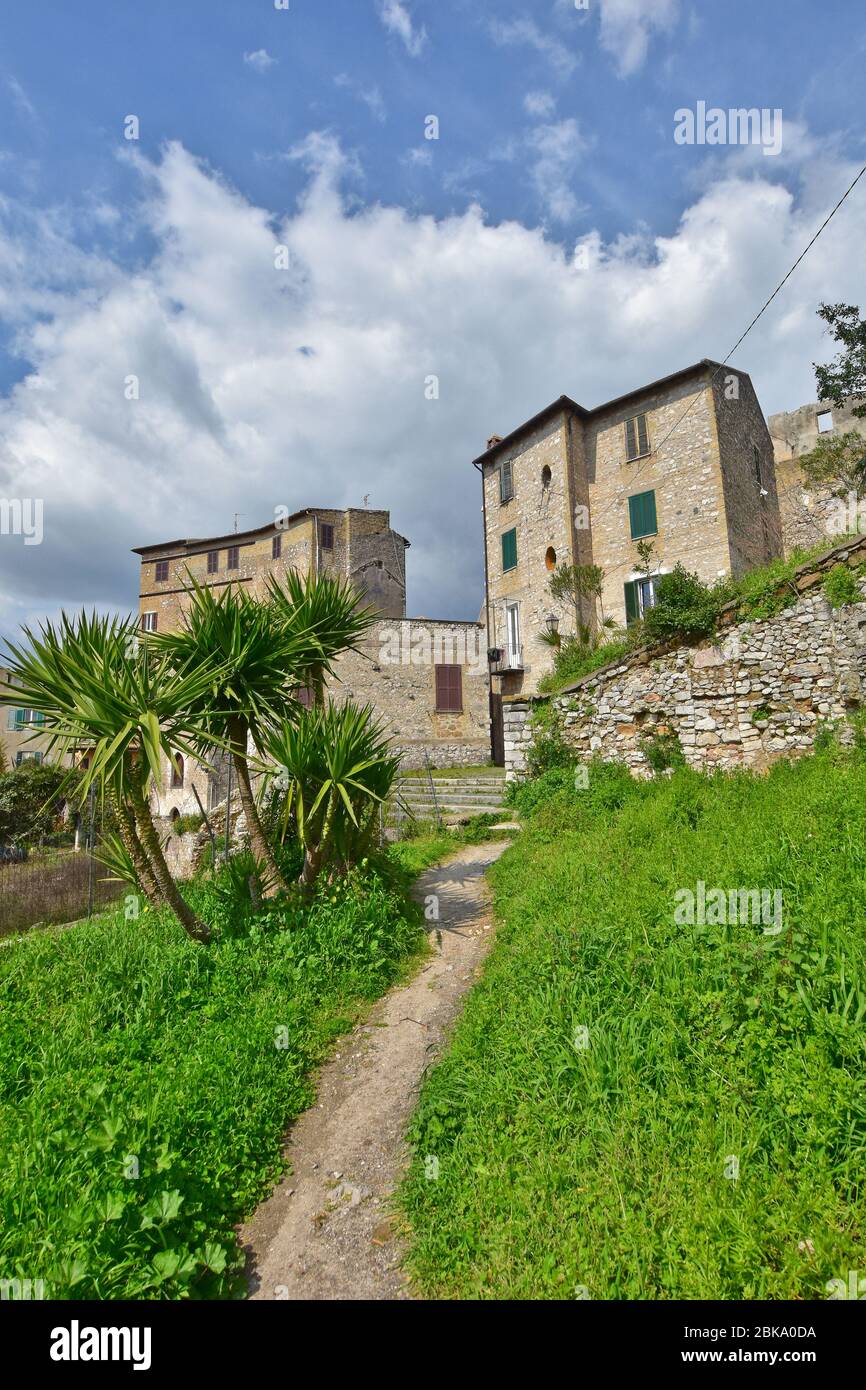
(662, 751)
(184, 825)
(548, 748)
(841, 587)
(29, 803)
(685, 607)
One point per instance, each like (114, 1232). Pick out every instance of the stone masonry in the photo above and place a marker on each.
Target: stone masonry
(706, 462)
(809, 514)
(758, 692)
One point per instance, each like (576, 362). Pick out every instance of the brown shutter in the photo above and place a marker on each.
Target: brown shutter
(642, 435)
(630, 445)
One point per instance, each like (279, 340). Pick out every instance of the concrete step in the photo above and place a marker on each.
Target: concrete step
(452, 800)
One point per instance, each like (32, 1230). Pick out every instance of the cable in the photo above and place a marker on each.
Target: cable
(744, 335)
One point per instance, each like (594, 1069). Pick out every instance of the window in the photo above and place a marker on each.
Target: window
(642, 515)
(640, 594)
(177, 771)
(825, 421)
(449, 689)
(756, 463)
(233, 557)
(326, 536)
(506, 481)
(550, 558)
(23, 757)
(161, 571)
(512, 633)
(509, 549)
(546, 476)
(149, 622)
(24, 718)
(213, 561)
(636, 438)
(276, 547)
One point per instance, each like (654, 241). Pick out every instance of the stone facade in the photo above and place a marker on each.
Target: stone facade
(20, 740)
(759, 692)
(808, 514)
(707, 460)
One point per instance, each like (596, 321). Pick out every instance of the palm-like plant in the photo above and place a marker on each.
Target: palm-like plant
(251, 659)
(105, 694)
(327, 608)
(335, 768)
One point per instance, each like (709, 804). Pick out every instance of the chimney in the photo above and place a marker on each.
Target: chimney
(494, 439)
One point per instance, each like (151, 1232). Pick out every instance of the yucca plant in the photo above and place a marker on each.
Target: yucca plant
(335, 767)
(251, 659)
(327, 608)
(117, 707)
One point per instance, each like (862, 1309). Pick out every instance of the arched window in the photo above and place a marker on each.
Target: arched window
(177, 771)
(550, 558)
(546, 476)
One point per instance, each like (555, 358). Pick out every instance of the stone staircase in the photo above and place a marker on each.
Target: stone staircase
(457, 798)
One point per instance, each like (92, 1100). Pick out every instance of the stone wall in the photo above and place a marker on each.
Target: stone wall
(809, 514)
(758, 692)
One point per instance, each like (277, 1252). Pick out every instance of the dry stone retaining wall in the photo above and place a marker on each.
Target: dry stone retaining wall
(758, 692)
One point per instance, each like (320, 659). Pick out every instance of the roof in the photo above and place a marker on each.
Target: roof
(236, 537)
(565, 403)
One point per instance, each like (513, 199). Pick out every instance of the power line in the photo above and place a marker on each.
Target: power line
(744, 335)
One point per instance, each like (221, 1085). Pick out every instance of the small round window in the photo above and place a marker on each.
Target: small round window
(546, 475)
(550, 558)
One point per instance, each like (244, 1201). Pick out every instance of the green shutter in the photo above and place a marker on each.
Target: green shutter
(509, 549)
(642, 515)
(632, 606)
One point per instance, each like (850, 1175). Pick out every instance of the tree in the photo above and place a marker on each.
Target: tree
(837, 462)
(31, 797)
(582, 587)
(328, 610)
(845, 378)
(117, 708)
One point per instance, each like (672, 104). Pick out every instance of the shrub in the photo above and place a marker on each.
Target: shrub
(184, 825)
(841, 587)
(662, 751)
(685, 607)
(548, 748)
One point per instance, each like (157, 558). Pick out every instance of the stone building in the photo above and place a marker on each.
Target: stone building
(685, 463)
(20, 741)
(426, 678)
(808, 513)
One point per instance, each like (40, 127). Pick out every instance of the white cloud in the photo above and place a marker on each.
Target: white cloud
(261, 60)
(628, 25)
(370, 96)
(556, 150)
(21, 99)
(526, 33)
(540, 104)
(305, 386)
(397, 20)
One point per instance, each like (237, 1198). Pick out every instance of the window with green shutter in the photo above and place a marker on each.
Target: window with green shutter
(632, 605)
(509, 549)
(636, 438)
(642, 515)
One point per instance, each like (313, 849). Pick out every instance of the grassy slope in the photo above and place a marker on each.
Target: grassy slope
(122, 1039)
(604, 1168)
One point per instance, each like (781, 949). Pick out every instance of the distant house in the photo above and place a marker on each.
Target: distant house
(20, 740)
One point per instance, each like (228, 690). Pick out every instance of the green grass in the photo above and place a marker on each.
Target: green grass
(146, 1082)
(602, 1168)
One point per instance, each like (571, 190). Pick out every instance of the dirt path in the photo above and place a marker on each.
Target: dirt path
(324, 1232)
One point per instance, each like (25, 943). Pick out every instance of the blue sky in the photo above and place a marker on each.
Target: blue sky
(306, 127)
